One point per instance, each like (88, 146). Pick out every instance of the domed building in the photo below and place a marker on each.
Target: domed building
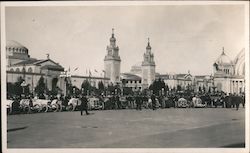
(229, 75)
(223, 66)
(16, 52)
(21, 65)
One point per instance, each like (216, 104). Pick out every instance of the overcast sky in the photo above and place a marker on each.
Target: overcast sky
(182, 37)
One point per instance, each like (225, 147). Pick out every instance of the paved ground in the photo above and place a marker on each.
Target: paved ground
(164, 128)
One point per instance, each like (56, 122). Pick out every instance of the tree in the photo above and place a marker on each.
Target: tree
(41, 87)
(100, 85)
(157, 86)
(200, 89)
(167, 88)
(178, 87)
(111, 88)
(17, 88)
(209, 90)
(10, 89)
(204, 89)
(127, 91)
(86, 85)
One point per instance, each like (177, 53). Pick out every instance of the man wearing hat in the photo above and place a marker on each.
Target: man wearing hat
(84, 104)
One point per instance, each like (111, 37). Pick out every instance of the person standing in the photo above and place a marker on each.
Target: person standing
(137, 101)
(118, 102)
(243, 100)
(153, 101)
(84, 104)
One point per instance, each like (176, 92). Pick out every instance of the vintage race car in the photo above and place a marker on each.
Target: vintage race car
(95, 104)
(56, 105)
(197, 103)
(38, 105)
(182, 103)
(149, 104)
(9, 106)
(73, 104)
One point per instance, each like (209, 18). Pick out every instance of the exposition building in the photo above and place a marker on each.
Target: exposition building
(228, 75)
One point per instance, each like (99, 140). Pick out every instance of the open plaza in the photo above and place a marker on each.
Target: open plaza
(162, 128)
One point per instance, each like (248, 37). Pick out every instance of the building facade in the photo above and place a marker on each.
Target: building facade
(229, 75)
(132, 81)
(21, 65)
(112, 61)
(148, 67)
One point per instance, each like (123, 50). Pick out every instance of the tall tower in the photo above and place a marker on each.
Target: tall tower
(112, 61)
(148, 67)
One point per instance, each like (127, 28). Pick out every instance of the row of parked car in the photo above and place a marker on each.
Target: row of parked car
(42, 105)
(95, 103)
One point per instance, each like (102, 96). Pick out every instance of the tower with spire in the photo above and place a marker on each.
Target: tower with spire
(148, 67)
(112, 61)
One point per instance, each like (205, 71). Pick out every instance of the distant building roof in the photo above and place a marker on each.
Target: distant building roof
(27, 62)
(53, 67)
(200, 76)
(89, 77)
(163, 76)
(181, 75)
(129, 76)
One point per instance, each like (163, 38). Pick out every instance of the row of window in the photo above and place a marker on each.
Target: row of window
(23, 70)
(226, 71)
(135, 88)
(18, 50)
(133, 81)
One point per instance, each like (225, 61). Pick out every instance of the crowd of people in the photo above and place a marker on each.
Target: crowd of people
(139, 101)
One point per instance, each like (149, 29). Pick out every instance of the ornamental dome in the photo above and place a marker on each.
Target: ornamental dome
(223, 59)
(148, 47)
(14, 44)
(112, 39)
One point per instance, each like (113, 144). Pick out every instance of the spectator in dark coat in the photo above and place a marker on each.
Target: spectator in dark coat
(153, 101)
(84, 104)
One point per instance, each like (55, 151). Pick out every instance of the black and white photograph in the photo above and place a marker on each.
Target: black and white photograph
(125, 76)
